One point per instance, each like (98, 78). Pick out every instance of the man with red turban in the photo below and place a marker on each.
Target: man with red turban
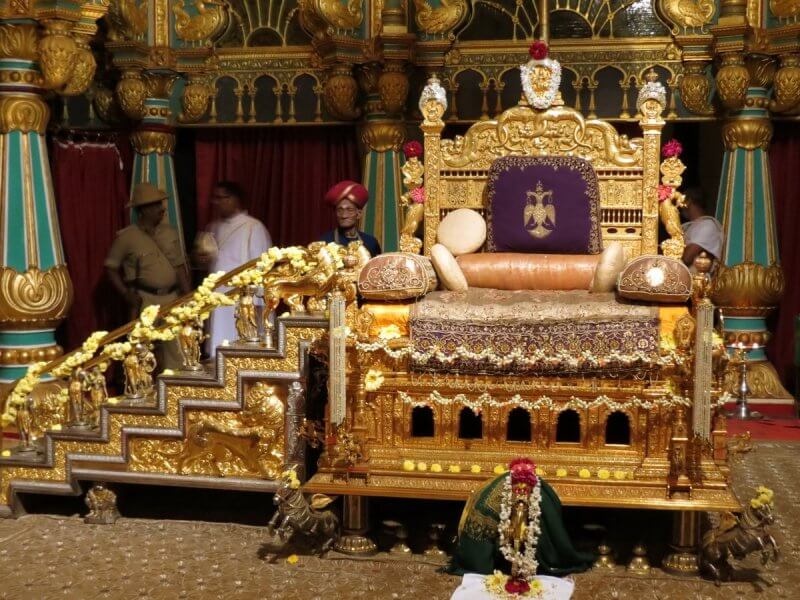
(348, 199)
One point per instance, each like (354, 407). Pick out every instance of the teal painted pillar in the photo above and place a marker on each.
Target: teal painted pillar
(383, 178)
(750, 282)
(35, 288)
(154, 143)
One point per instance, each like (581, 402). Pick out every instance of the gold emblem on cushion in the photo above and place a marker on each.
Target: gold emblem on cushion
(540, 212)
(397, 276)
(655, 279)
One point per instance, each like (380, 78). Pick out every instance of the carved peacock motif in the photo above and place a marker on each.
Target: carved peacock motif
(442, 19)
(210, 20)
(688, 13)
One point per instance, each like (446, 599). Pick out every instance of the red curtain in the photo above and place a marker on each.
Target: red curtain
(284, 171)
(91, 175)
(784, 154)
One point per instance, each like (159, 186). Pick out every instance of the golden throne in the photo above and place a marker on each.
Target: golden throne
(430, 427)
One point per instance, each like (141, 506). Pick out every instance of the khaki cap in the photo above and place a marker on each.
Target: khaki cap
(146, 193)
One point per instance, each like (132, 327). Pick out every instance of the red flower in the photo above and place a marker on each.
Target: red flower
(412, 149)
(671, 149)
(538, 50)
(517, 586)
(664, 193)
(418, 195)
(523, 471)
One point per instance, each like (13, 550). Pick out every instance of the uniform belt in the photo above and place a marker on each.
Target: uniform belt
(154, 291)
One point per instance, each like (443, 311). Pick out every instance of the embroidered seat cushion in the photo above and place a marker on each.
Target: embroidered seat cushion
(566, 324)
(543, 204)
(396, 276)
(655, 279)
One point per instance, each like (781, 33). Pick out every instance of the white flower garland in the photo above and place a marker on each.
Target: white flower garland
(486, 399)
(524, 564)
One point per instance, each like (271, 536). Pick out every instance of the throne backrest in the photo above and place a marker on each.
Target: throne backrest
(457, 170)
(543, 204)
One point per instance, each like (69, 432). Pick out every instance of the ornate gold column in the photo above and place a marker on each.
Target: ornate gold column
(43, 47)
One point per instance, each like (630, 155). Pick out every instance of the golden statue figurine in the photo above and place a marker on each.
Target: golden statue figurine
(138, 367)
(24, 422)
(98, 394)
(190, 338)
(246, 323)
(76, 399)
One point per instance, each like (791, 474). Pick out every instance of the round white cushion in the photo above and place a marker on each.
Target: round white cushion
(611, 263)
(462, 231)
(447, 269)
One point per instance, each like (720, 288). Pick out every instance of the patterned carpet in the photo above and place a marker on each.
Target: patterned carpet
(43, 557)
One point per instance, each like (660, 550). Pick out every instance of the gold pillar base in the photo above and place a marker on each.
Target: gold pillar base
(763, 380)
(639, 564)
(355, 523)
(605, 559)
(685, 534)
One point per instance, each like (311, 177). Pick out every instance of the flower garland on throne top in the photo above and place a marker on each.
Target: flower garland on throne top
(541, 77)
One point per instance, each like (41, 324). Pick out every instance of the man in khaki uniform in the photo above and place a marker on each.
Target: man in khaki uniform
(153, 270)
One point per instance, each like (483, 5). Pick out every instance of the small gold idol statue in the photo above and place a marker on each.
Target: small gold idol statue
(138, 367)
(98, 394)
(24, 423)
(102, 503)
(190, 337)
(76, 400)
(246, 323)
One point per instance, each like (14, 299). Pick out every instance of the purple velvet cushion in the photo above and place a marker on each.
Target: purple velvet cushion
(543, 204)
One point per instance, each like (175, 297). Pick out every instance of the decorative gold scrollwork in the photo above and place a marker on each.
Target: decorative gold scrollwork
(23, 113)
(785, 9)
(148, 142)
(210, 21)
(442, 19)
(340, 94)
(747, 133)
(688, 14)
(557, 131)
(786, 86)
(132, 92)
(748, 289)
(194, 101)
(340, 16)
(733, 78)
(127, 20)
(83, 70)
(34, 298)
(696, 88)
(57, 50)
(19, 41)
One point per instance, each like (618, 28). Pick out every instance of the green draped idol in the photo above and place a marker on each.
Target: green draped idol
(478, 551)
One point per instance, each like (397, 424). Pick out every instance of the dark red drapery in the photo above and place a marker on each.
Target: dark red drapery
(784, 155)
(91, 181)
(284, 172)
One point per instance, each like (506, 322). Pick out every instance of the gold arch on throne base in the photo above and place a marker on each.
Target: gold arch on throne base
(627, 168)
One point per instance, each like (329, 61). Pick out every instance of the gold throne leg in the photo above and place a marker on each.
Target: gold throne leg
(685, 535)
(355, 523)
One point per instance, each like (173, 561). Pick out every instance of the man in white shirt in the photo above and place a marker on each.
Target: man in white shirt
(237, 239)
(701, 232)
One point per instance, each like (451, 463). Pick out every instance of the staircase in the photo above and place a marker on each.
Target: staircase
(196, 431)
